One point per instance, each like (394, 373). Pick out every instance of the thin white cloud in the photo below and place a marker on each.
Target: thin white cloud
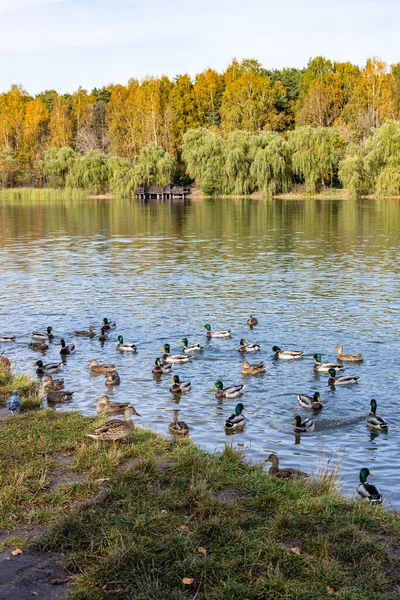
(12, 6)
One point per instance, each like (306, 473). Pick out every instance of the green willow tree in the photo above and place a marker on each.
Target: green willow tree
(204, 153)
(315, 153)
(90, 173)
(56, 165)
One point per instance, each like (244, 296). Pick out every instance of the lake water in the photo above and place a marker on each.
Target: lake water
(316, 273)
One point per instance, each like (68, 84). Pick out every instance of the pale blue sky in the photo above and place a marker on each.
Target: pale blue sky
(64, 44)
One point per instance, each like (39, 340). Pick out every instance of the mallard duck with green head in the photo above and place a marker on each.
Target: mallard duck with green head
(84, 333)
(177, 427)
(47, 369)
(245, 347)
(189, 349)
(174, 358)
(348, 357)
(124, 346)
(343, 380)
(47, 335)
(103, 335)
(216, 334)
(116, 429)
(67, 349)
(287, 473)
(107, 325)
(286, 354)
(375, 422)
(313, 402)
(321, 367)
(237, 420)
(161, 368)
(366, 490)
(306, 426)
(229, 392)
(178, 386)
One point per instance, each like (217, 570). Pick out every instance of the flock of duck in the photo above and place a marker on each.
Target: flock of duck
(117, 429)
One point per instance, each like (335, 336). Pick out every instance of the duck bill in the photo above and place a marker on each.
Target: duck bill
(213, 387)
(136, 413)
(371, 474)
(294, 422)
(180, 341)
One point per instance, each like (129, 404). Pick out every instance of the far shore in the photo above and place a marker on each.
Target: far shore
(195, 194)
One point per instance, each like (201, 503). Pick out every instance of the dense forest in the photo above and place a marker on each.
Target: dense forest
(247, 129)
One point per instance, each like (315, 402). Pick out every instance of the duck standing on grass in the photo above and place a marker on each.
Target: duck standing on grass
(288, 473)
(65, 350)
(14, 402)
(116, 429)
(306, 426)
(366, 490)
(237, 420)
(177, 427)
(343, 380)
(375, 422)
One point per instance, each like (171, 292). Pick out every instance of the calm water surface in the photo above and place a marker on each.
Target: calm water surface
(315, 273)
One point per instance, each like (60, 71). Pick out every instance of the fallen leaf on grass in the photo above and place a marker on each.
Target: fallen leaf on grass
(295, 550)
(330, 590)
(183, 528)
(60, 581)
(187, 580)
(163, 512)
(16, 551)
(202, 550)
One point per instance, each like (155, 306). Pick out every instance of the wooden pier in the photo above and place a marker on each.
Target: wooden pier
(156, 192)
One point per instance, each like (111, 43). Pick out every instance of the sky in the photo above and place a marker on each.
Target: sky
(64, 44)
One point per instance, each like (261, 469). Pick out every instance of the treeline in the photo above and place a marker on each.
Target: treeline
(239, 131)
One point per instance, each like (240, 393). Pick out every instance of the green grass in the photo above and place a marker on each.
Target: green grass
(27, 388)
(36, 194)
(133, 520)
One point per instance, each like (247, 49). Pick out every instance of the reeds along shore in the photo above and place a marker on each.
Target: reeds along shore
(157, 518)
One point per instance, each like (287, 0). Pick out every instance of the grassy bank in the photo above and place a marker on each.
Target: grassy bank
(36, 194)
(157, 518)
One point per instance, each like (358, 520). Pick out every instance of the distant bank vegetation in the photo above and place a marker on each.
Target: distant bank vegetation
(242, 131)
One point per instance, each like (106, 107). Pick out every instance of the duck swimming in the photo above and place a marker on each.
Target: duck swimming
(48, 335)
(124, 346)
(179, 387)
(254, 369)
(252, 321)
(174, 358)
(343, 380)
(313, 402)
(216, 334)
(70, 349)
(286, 354)
(237, 420)
(189, 349)
(306, 426)
(374, 422)
(83, 333)
(245, 347)
(228, 392)
(47, 369)
(321, 367)
(160, 368)
(348, 357)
